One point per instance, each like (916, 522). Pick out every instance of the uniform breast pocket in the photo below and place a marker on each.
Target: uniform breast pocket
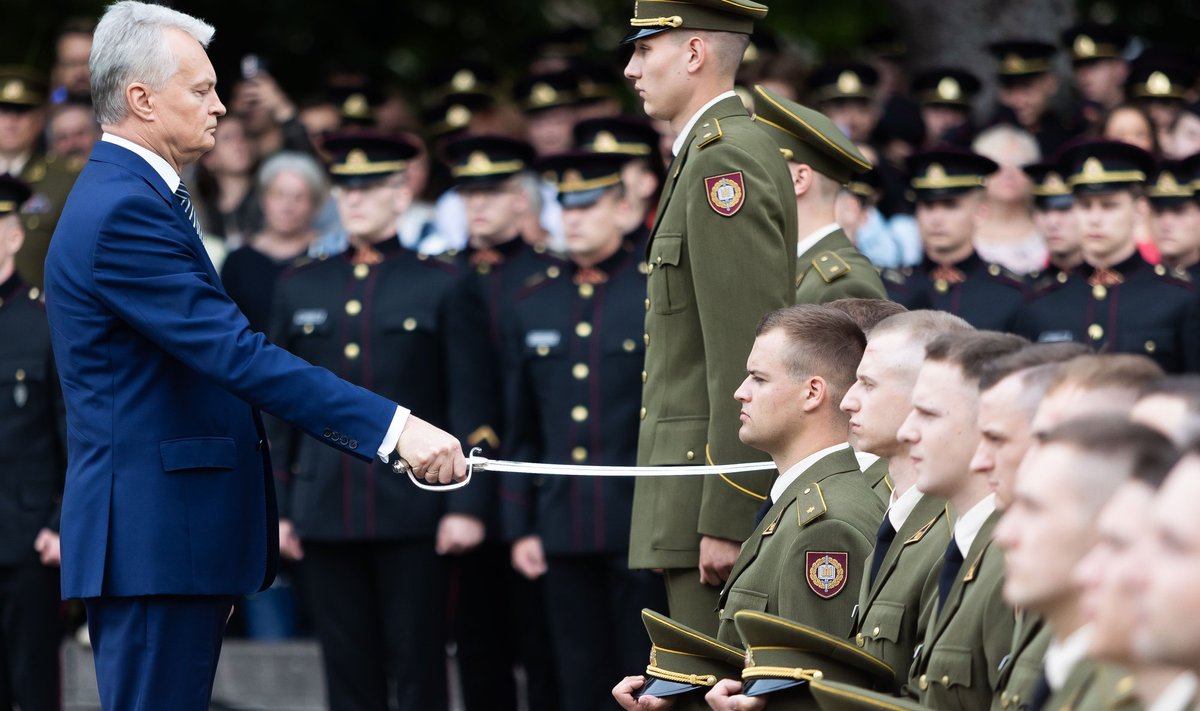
(949, 667)
(667, 285)
(740, 599)
(412, 324)
(883, 621)
(309, 323)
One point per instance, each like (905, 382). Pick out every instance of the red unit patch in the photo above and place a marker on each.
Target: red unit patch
(827, 571)
(726, 193)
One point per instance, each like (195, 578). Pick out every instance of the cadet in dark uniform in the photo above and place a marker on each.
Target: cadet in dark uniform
(946, 95)
(1175, 223)
(494, 176)
(1117, 302)
(1052, 215)
(821, 159)
(377, 315)
(642, 173)
(1027, 85)
(33, 462)
(727, 216)
(948, 185)
(22, 95)
(574, 397)
(1099, 69)
(1161, 85)
(846, 94)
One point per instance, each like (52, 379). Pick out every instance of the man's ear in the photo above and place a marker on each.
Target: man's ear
(816, 393)
(802, 178)
(140, 101)
(697, 54)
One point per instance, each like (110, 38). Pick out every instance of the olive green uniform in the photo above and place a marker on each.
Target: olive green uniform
(833, 269)
(957, 667)
(1021, 669)
(721, 256)
(828, 511)
(879, 481)
(893, 612)
(1080, 692)
(51, 179)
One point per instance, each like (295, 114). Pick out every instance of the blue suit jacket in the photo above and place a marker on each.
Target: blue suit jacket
(169, 486)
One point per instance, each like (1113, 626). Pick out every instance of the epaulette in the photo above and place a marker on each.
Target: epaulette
(810, 505)
(1048, 281)
(709, 132)
(830, 266)
(1178, 275)
(1002, 274)
(896, 276)
(975, 564)
(484, 434)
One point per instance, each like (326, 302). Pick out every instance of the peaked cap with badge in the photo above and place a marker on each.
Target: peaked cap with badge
(361, 158)
(1170, 185)
(850, 80)
(1050, 189)
(651, 17)
(21, 89)
(487, 160)
(1160, 79)
(683, 660)
(1101, 166)
(947, 172)
(946, 86)
(582, 178)
(1022, 59)
(1091, 42)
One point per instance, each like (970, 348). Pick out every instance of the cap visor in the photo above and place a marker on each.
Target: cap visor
(935, 194)
(759, 687)
(1103, 188)
(663, 688)
(359, 181)
(641, 32)
(581, 198)
(1054, 202)
(482, 181)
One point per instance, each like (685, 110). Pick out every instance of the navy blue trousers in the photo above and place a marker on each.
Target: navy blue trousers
(155, 653)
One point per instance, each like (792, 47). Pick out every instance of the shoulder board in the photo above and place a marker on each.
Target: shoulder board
(830, 266)
(1049, 281)
(1177, 275)
(810, 505)
(1002, 274)
(923, 530)
(708, 132)
(896, 276)
(484, 434)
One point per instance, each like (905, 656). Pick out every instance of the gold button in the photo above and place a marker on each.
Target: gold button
(647, 304)
(994, 269)
(34, 294)
(308, 329)
(1099, 291)
(834, 269)
(579, 413)
(1095, 332)
(644, 376)
(659, 260)
(483, 268)
(691, 455)
(410, 323)
(580, 371)
(649, 268)
(1151, 347)
(643, 413)
(1014, 699)
(1062, 277)
(923, 682)
(20, 374)
(586, 290)
(860, 640)
(628, 345)
(646, 339)
(946, 681)
(543, 350)
(579, 454)
(351, 350)
(825, 258)
(875, 632)
(361, 271)
(942, 286)
(1160, 269)
(808, 490)
(353, 307)
(1004, 700)
(583, 329)
(552, 272)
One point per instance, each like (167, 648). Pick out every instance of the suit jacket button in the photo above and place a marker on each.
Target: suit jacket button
(344, 440)
(259, 446)
(353, 444)
(326, 433)
(860, 640)
(946, 681)
(923, 682)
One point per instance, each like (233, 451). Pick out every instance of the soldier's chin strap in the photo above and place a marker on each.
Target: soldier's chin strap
(479, 463)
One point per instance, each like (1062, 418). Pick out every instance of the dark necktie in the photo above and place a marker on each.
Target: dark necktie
(1040, 694)
(762, 511)
(185, 199)
(883, 541)
(952, 564)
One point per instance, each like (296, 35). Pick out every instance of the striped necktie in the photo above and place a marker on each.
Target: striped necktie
(185, 198)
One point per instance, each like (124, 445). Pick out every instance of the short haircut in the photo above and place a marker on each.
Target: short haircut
(867, 313)
(822, 342)
(1150, 454)
(1122, 371)
(301, 164)
(921, 326)
(1034, 354)
(1186, 389)
(130, 45)
(971, 351)
(725, 48)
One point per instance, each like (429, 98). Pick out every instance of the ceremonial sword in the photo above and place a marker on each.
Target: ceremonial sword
(475, 462)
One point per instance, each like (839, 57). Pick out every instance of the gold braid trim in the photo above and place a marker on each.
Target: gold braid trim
(694, 679)
(757, 672)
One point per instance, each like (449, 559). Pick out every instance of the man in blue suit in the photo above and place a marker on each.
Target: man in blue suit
(169, 509)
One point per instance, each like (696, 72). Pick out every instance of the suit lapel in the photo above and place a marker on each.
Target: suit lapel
(928, 513)
(965, 577)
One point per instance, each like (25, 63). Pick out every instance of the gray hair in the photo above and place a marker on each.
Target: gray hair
(302, 165)
(130, 45)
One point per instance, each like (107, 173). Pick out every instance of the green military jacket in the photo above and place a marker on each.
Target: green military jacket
(957, 667)
(721, 255)
(833, 269)
(1080, 692)
(894, 611)
(879, 481)
(51, 179)
(809, 553)
(1115, 689)
(1022, 667)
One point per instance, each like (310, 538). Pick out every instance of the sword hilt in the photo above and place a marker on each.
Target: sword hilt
(400, 466)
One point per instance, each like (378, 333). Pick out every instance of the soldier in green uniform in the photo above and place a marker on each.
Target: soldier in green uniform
(726, 216)
(1050, 525)
(970, 629)
(821, 159)
(22, 120)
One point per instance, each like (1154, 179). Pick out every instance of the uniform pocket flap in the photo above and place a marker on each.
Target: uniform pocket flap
(198, 453)
(950, 666)
(675, 437)
(665, 249)
(740, 599)
(883, 621)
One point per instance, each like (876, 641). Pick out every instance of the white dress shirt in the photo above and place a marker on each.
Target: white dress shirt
(902, 507)
(1062, 657)
(807, 243)
(687, 127)
(785, 480)
(968, 525)
(1178, 695)
(172, 180)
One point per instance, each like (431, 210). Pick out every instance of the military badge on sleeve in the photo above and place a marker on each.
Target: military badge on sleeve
(827, 572)
(726, 193)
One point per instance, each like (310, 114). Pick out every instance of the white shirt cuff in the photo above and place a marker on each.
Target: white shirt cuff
(388, 447)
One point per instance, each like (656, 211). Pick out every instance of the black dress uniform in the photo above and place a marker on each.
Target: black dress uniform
(377, 316)
(498, 620)
(1022, 61)
(32, 465)
(1128, 307)
(984, 294)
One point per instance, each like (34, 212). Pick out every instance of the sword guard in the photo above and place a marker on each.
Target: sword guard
(402, 466)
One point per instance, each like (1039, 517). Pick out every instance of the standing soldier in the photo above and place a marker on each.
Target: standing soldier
(22, 119)
(727, 216)
(821, 159)
(33, 456)
(642, 172)
(574, 396)
(948, 185)
(377, 316)
(1052, 202)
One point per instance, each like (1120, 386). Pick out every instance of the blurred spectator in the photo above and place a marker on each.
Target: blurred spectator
(1006, 234)
(846, 93)
(290, 188)
(1130, 123)
(1099, 67)
(1027, 86)
(268, 114)
(224, 191)
(1183, 139)
(70, 77)
(945, 95)
(72, 131)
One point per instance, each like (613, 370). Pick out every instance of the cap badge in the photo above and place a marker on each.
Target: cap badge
(1157, 84)
(935, 173)
(1084, 47)
(1166, 182)
(463, 80)
(653, 656)
(458, 116)
(543, 94)
(14, 89)
(355, 106)
(478, 163)
(357, 157)
(1054, 181)
(1014, 63)
(605, 143)
(1092, 168)
(949, 89)
(849, 83)
(572, 177)
(827, 572)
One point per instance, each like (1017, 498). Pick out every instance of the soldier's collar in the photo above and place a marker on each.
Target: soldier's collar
(1125, 267)
(965, 264)
(799, 469)
(609, 264)
(686, 134)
